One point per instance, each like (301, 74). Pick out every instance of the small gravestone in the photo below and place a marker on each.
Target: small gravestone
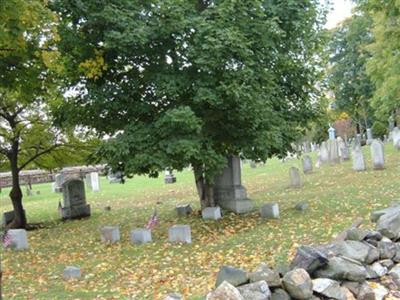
(358, 159)
(169, 177)
(141, 236)
(115, 177)
(377, 155)
(307, 164)
(324, 153)
(110, 234)
(270, 211)
(18, 239)
(302, 206)
(92, 181)
(211, 213)
(71, 272)
(183, 210)
(333, 150)
(295, 178)
(180, 234)
(74, 200)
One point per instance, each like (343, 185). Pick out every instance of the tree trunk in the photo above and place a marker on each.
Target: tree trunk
(19, 220)
(205, 190)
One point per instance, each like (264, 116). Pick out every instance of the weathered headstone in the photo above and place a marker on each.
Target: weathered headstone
(92, 181)
(141, 236)
(71, 272)
(331, 133)
(169, 177)
(58, 181)
(345, 153)
(229, 193)
(377, 155)
(369, 136)
(19, 239)
(358, 158)
(180, 234)
(183, 210)
(324, 153)
(74, 200)
(333, 150)
(270, 211)
(396, 138)
(110, 234)
(295, 178)
(307, 164)
(211, 213)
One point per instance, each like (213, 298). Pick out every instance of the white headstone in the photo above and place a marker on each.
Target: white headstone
(377, 155)
(183, 210)
(211, 213)
(358, 158)
(324, 153)
(71, 272)
(180, 234)
(333, 149)
(307, 164)
(396, 138)
(92, 181)
(19, 239)
(140, 236)
(369, 136)
(295, 178)
(331, 132)
(110, 234)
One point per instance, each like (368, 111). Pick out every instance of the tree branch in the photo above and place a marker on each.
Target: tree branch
(38, 154)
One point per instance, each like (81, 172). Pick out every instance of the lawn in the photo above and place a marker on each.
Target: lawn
(336, 194)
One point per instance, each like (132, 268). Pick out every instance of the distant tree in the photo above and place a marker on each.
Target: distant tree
(175, 82)
(347, 75)
(29, 63)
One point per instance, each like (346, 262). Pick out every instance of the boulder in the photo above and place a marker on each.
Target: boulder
(343, 268)
(225, 291)
(374, 235)
(366, 292)
(349, 295)
(309, 259)
(362, 252)
(352, 286)
(388, 263)
(376, 215)
(389, 224)
(395, 271)
(329, 288)
(255, 291)
(263, 272)
(232, 275)
(280, 294)
(356, 234)
(387, 250)
(376, 270)
(379, 290)
(396, 257)
(298, 284)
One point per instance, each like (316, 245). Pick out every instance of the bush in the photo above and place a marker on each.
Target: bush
(379, 129)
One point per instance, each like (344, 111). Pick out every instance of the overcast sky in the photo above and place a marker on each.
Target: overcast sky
(341, 9)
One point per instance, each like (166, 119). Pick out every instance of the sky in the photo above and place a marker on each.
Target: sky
(341, 9)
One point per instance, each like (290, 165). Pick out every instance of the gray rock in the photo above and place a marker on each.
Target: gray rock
(180, 234)
(255, 291)
(270, 211)
(374, 235)
(211, 213)
(232, 275)
(110, 234)
(183, 210)
(359, 251)
(376, 270)
(341, 268)
(387, 250)
(366, 293)
(302, 206)
(396, 257)
(356, 234)
(379, 290)
(225, 291)
(376, 215)
(298, 284)
(280, 294)
(309, 259)
(71, 272)
(352, 286)
(263, 272)
(329, 288)
(388, 263)
(140, 236)
(395, 271)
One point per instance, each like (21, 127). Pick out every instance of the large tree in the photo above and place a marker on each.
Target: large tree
(29, 64)
(177, 82)
(347, 75)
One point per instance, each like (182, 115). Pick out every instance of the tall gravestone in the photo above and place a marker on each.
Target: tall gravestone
(307, 164)
(331, 133)
(396, 138)
(358, 158)
(295, 178)
(93, 182)
(377, 155)
(324, 153)
(344, 152)
(369, 136)
(333, 150)
(57, 184)
(229, 193)
(74, 200)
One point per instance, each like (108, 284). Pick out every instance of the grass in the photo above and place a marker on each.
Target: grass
(336, 194)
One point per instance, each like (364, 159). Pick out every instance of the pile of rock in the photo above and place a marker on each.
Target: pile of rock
(364, 265)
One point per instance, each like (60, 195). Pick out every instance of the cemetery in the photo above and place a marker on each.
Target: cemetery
(199, 150)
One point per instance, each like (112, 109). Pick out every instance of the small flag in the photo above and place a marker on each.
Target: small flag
(7, 240)
(152, 221)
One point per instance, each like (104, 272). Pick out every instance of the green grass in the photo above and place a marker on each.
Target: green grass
(337, 195)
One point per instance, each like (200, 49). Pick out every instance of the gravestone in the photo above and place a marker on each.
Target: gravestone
(211, 213)
(295, 178)
(169, 177)
(229, 193)
(396, 138)
(19, 239)
(324, 153)
(110, 234)
(58, 181)
(377, 155)
(369, 136)
(71, 272)
(345, 153)
(331, 133)
(358, 158)
(333, 150)
(301, 206)
(253, 164)
(141, 236)
(92, 181)
(307, 164)
(180, 234)
(183, 210)
(270, 211)
(7, 218)
(115, 177)
(74, 200)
